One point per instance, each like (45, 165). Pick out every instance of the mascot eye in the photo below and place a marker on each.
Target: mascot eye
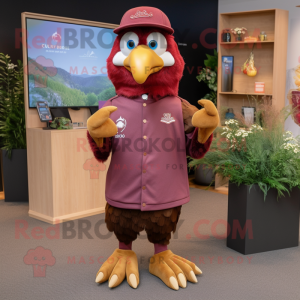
(128, 42)
(157, 42)
(152, 44)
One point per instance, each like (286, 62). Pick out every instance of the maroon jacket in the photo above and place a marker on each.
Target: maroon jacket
(148, 169)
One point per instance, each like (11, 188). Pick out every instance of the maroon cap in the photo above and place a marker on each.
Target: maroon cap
(145, 16)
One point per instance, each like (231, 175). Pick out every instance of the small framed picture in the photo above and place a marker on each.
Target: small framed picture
(227, 73)
(249, 114)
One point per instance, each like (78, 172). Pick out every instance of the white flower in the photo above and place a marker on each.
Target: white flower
(10, 66)
(296, 150)
(228, 135)
(245, 134)
(290, 139)
(208, 77)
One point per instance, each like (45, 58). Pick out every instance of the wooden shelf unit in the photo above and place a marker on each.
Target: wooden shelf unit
(269, 56)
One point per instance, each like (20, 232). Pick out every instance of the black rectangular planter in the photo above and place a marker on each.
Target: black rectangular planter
(256, 225)
(15, 176)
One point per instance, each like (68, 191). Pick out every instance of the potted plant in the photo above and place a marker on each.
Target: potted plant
(13, 130)
(238, 33)
(203, 173)
(263, 164)
(209, 76)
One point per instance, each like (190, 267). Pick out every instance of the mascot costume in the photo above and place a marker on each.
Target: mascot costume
(148, 130)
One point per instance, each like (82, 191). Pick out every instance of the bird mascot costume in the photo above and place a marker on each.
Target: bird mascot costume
(149, 130)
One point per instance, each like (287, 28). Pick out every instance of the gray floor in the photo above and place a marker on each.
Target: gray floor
(271, 275)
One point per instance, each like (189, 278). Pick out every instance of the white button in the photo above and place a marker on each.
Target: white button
(145, 96)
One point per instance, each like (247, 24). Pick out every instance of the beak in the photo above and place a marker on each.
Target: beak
(141, 62)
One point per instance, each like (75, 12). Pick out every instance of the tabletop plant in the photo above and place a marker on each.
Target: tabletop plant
(12, 111)
(209, 76)
(267, 156)
(61, 123)
(238, 31)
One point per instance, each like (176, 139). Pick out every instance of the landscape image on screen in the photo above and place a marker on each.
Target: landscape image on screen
(67, 63)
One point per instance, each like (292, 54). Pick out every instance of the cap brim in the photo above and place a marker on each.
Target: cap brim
(167, 28)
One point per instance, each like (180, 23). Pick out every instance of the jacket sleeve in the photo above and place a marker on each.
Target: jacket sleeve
(193, 147)
(101, 154)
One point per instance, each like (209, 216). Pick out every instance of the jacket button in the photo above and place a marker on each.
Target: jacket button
(144, 104)
(144, 204)
(145, 153)
(145, 121)
(144, 171)
(144, 137)
(143, 187)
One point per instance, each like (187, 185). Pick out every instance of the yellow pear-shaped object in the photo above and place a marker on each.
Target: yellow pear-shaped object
(251, 72)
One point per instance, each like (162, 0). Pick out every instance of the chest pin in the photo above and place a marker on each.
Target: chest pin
(145, 96)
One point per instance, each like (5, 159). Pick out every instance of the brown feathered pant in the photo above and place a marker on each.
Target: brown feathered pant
(128, 223)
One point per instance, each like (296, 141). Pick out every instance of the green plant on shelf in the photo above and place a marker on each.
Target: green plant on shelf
(12, 111)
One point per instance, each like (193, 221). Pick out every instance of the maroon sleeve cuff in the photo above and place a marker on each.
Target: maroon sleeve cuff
(101, 154)
(194, 148)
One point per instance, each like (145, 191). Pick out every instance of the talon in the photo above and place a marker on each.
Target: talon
(133, 281)
(174, 283)
(113, 281)
(99, 277)
(193, 276)
(198, 270)
(182, 280)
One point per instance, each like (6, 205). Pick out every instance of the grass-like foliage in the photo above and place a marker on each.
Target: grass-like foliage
(267, 156)
(12, 111)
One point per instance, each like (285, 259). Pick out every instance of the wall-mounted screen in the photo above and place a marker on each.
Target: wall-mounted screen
(67, 63)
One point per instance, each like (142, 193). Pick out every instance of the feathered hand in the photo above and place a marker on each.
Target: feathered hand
(101, 126)
(206, 119)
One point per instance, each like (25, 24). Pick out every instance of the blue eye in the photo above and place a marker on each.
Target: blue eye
(130, 44)
(152, 44)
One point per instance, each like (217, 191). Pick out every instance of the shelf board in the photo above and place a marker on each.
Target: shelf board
(252, 42)
(244, 93)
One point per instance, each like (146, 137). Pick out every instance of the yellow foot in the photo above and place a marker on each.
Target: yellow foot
(173, 270)
(119, 264)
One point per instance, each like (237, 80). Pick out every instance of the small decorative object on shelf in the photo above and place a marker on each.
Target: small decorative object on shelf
(294, 99)
(259, 87)
(61, 123)
(245, 66)
(248, 67)
(229, 115)
(226, 36)
(249, 115)
(262, 36)
(238, 33)
(250, 39)
(227, 74)
(251, 70)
